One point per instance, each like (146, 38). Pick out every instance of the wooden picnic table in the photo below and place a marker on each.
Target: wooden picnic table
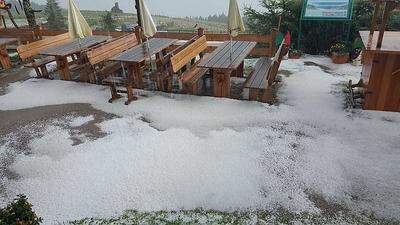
(75, 47)
(224, 62)
(134, 57)
(4, 57)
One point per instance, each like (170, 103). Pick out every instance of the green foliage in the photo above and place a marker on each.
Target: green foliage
(317, 36)
(339, 49)
(54, 16)
(19, 212)
(108, 22)
(295, 52)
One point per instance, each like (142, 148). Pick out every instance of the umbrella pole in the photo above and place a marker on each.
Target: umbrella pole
(230, 49)
(148, 51)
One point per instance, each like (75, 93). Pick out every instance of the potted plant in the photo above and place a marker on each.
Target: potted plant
(339, 53)
(294, 53)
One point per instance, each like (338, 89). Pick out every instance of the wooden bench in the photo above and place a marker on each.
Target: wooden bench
(29, 51)
(24, 36)
(96, 64)
(182, 61)
(264, 75)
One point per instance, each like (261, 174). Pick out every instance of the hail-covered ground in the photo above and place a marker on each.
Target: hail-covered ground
(182, 159)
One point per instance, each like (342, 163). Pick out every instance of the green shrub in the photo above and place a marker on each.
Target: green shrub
(339, 49)
(317, 36)
(295, 52)
(19, 212)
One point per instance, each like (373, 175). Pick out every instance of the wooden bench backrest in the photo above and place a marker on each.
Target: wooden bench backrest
(34, 48)
(111, 48)
(183, 57)
(23, 35)
(276, 62)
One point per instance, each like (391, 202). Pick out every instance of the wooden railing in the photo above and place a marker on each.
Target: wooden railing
(265, 47)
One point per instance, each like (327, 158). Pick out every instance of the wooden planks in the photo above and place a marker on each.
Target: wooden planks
(6, 41)
(34, 48)
(74, 46)
(259, 77)
(140, 53)
(4, 57)
(225, 58)
(23, 35)
(382, 83)
(188, 53)
(111, 49)
(266, 47)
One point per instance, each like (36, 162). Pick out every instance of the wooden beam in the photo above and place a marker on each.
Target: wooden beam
(386, 15)
(137, 6)
(373, 24)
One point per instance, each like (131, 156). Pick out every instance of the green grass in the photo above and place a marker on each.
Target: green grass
(234, 218)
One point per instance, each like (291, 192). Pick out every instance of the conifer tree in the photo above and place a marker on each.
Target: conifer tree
(53, 12)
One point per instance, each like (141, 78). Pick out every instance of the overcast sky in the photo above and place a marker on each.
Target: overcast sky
(165, 7)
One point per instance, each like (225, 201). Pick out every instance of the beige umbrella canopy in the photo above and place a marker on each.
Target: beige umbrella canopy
(235, 20)
(77, 25)
(148, 25)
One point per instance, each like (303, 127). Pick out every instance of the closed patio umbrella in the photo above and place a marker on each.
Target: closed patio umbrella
(148, 26)
(77, 25)
(235, 21)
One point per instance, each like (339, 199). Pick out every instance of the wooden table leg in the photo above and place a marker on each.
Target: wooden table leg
(135, 72)
(63, 68)
(222, 83)
(129, 83)
(44, 72)
(131, 97)
(4, 58)
(240, 70)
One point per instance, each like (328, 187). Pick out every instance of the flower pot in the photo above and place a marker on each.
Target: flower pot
(294, 56)
(340, 59)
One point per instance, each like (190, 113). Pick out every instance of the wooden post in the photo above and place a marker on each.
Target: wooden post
(4, 58)
(388, 8)
(137, 6)
(373, 24)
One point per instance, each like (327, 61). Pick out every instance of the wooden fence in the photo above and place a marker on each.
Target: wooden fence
(265, 47)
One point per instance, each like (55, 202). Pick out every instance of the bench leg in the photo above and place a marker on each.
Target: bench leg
(239, 71)
(63, 68)
(265, 96)
(253, 95)
(194, 89)
(169, 81)
(92, 77)
(129, 90)
(114, 94)
(222, 83)
(44, 72)
(4, 58)
(38, 73)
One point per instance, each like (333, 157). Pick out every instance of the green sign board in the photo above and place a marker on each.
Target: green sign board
(327, 10)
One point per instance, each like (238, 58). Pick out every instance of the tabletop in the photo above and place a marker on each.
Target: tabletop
(140, 52)
(225, 58)
(391, 41)
(4, 41)
(75, 46)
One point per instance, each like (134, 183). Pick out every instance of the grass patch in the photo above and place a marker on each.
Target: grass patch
(199, 216)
